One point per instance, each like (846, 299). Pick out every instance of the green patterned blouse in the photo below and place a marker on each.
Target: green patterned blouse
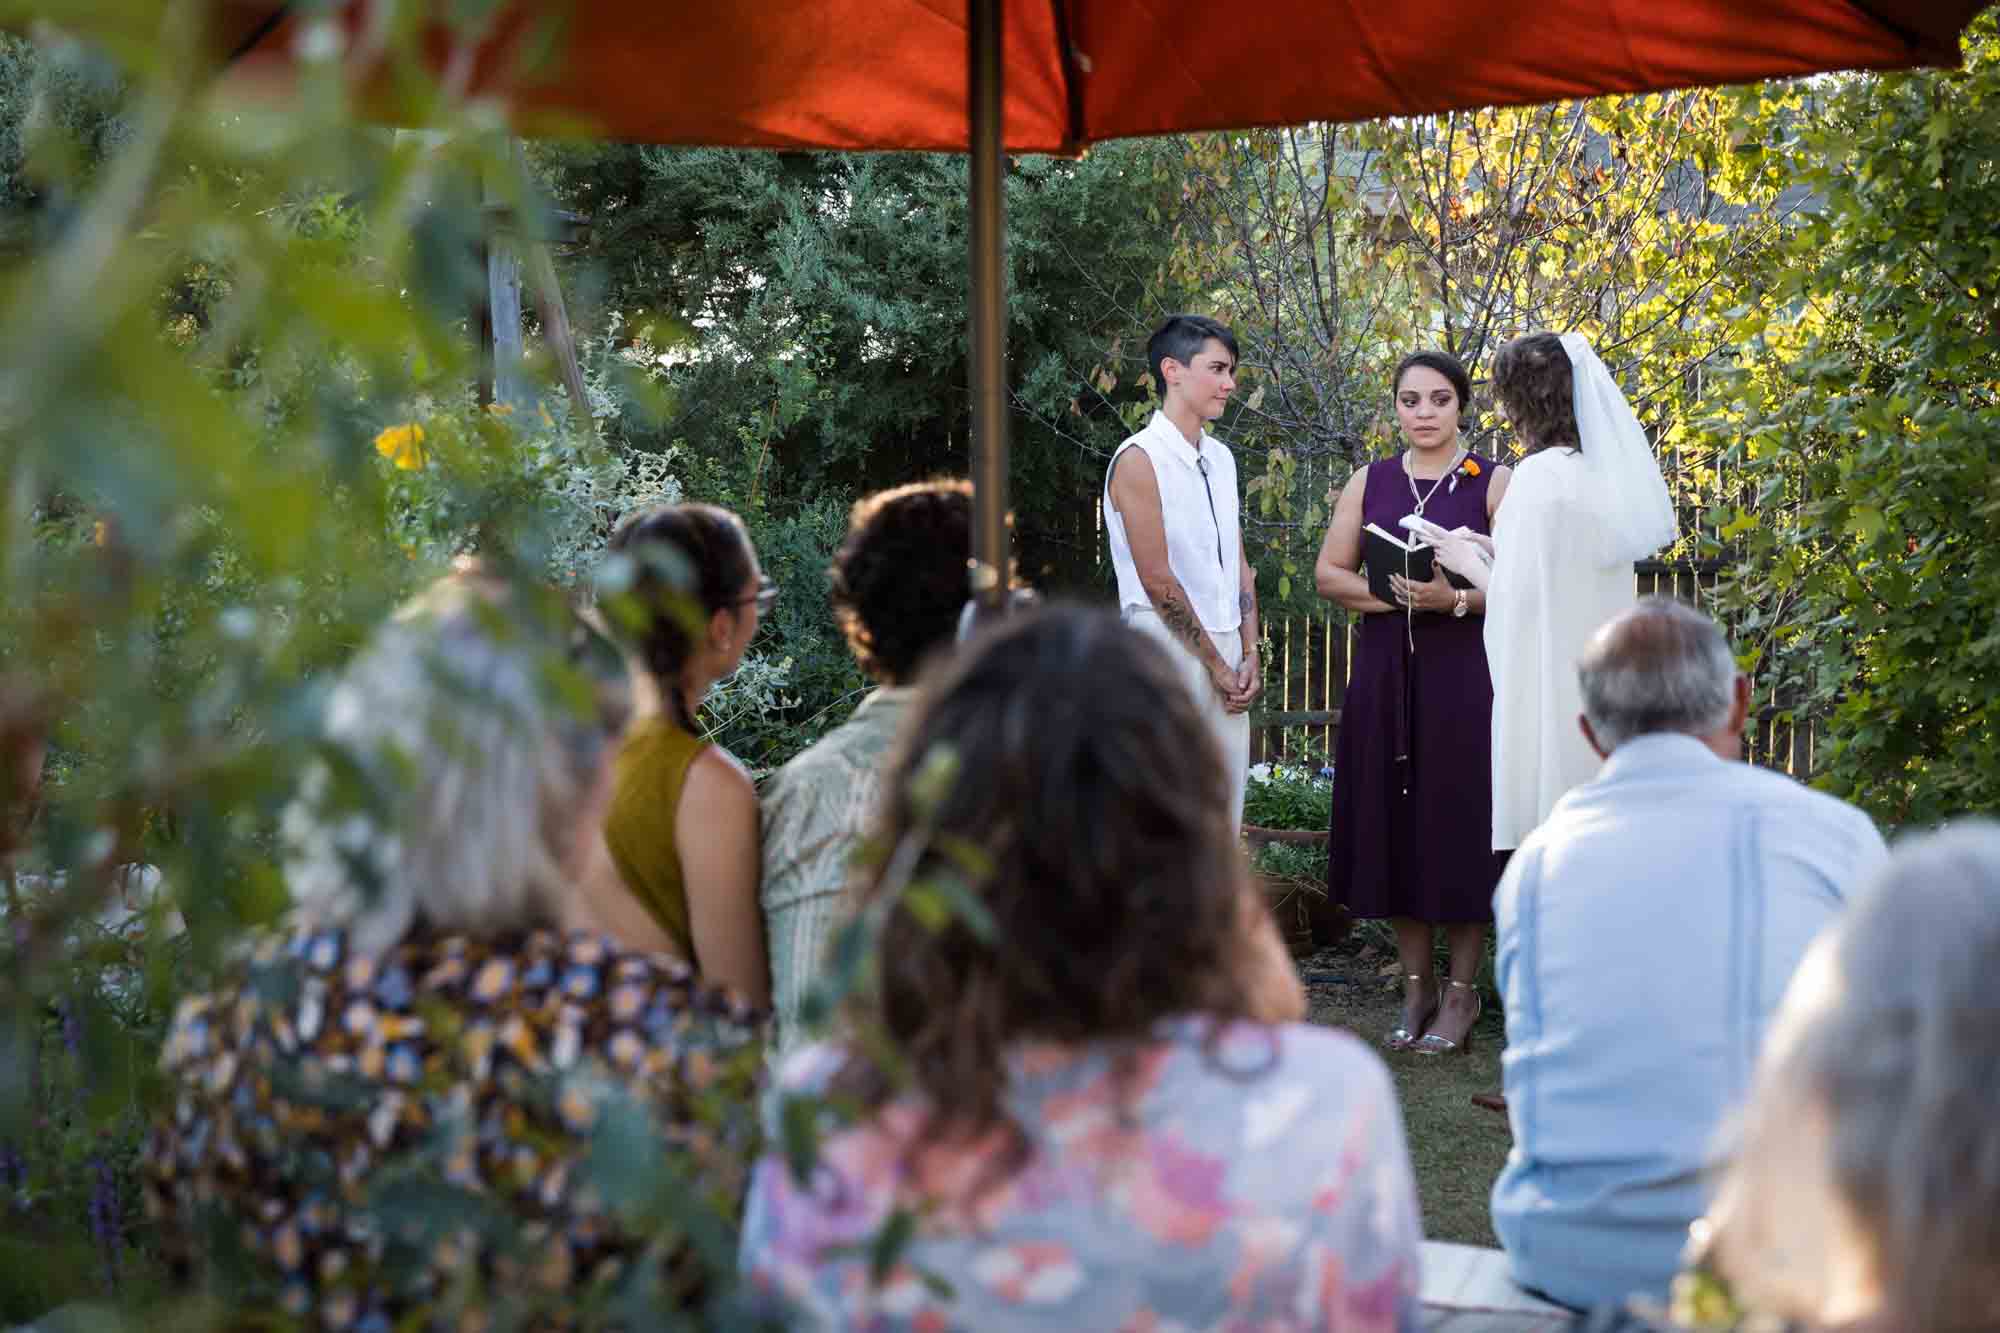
(322, 1102)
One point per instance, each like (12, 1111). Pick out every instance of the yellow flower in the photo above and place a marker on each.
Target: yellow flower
(402, 445)
(100, 533)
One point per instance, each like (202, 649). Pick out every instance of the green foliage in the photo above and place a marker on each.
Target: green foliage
(791, 327)
(58, 120)
(1860, 428)
(812, 307)
(1334, 250)
(1300, 863)
(241, 429)
(1286, 796)
(800, 681)
(75, 1227)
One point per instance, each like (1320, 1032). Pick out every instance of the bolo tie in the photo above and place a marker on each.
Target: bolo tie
(1201, 466)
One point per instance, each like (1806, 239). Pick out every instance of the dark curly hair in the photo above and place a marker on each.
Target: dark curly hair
(1445, 364)
(1532, 379)
(709, 551)
(1102, 855)
(898, 579)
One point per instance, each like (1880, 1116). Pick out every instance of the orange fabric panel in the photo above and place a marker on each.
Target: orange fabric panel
(891, 73)
(756, 73)
(1291, 61)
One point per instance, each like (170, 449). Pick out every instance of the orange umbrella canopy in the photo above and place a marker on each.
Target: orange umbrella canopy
(893, 73)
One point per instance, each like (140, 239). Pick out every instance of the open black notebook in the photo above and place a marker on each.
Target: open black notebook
(1383, 555)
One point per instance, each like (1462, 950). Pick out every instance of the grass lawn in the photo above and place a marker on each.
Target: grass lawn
(1457, 1147)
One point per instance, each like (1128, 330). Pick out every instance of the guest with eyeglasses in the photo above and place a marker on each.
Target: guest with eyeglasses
(683, 859)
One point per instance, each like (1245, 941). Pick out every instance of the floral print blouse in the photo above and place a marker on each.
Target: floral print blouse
(318, 1075)
(1259, 1182)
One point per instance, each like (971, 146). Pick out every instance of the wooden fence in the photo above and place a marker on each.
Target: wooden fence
(1309, 658)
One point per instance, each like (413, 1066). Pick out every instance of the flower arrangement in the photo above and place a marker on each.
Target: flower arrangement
(1288, 796)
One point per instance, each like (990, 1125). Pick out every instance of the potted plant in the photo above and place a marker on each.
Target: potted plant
(1292, 877)
(1287, 812)
(1287, 803)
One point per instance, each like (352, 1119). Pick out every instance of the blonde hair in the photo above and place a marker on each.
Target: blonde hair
(457, 763)
(1865, 1179)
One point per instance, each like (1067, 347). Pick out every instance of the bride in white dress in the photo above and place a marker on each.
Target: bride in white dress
(1585, 503)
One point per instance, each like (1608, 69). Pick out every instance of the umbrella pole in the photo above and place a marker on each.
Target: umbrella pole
(986, 314)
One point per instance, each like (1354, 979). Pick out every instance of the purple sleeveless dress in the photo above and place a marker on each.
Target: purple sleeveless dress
(1412, 769)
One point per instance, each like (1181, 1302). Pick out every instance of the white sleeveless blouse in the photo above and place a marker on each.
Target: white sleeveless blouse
(1198, 504)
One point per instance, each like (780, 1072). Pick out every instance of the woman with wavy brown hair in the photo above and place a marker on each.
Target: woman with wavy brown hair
(1584, 504)
(1076, 1073)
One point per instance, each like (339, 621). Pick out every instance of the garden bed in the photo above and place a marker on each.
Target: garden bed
(1287, 810)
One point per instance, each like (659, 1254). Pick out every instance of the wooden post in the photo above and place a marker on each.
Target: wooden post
(501, 374)
(555, 327)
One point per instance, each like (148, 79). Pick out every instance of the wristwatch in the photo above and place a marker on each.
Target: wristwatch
(1458, 607)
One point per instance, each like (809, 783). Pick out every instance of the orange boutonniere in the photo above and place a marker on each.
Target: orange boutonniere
(1470, 467)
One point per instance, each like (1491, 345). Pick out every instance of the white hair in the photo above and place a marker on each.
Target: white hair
(454, 776)
(1865, 1178)
(1660, 666)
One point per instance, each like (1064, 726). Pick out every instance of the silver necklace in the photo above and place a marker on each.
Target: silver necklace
(1424, 497)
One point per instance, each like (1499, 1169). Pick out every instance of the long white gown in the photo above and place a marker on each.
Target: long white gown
(1565, 538)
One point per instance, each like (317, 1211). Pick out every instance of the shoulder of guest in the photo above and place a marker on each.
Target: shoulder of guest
(1332, 1058)
(648, 736)
(822, 761)
(1325, 1054)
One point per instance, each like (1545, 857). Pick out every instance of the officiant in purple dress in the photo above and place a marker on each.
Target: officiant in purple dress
(1412, 787)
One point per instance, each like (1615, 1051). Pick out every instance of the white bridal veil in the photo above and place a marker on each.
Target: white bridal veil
(1565, 537)
(1622, 478)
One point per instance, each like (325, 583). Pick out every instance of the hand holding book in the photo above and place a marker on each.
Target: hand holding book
(1383, 555)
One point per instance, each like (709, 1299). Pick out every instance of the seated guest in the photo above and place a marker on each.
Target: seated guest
(682, 830)
(898, 588)
(1086, 1119)
(441, 1001)
(1865, 1189)
(1646, 931)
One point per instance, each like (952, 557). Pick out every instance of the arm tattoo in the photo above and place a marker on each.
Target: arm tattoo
(1246, 602)
(1179, 617)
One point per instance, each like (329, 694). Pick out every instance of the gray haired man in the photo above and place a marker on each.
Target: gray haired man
(1646, 932)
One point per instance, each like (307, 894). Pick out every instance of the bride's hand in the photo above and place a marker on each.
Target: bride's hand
(1465, 553)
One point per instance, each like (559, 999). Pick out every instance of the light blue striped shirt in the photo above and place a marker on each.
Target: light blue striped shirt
(1646, 933)
(815, 812)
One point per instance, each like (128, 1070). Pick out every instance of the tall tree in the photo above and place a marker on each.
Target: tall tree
(812, 310)
(1861, 428)
(1336, 249)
